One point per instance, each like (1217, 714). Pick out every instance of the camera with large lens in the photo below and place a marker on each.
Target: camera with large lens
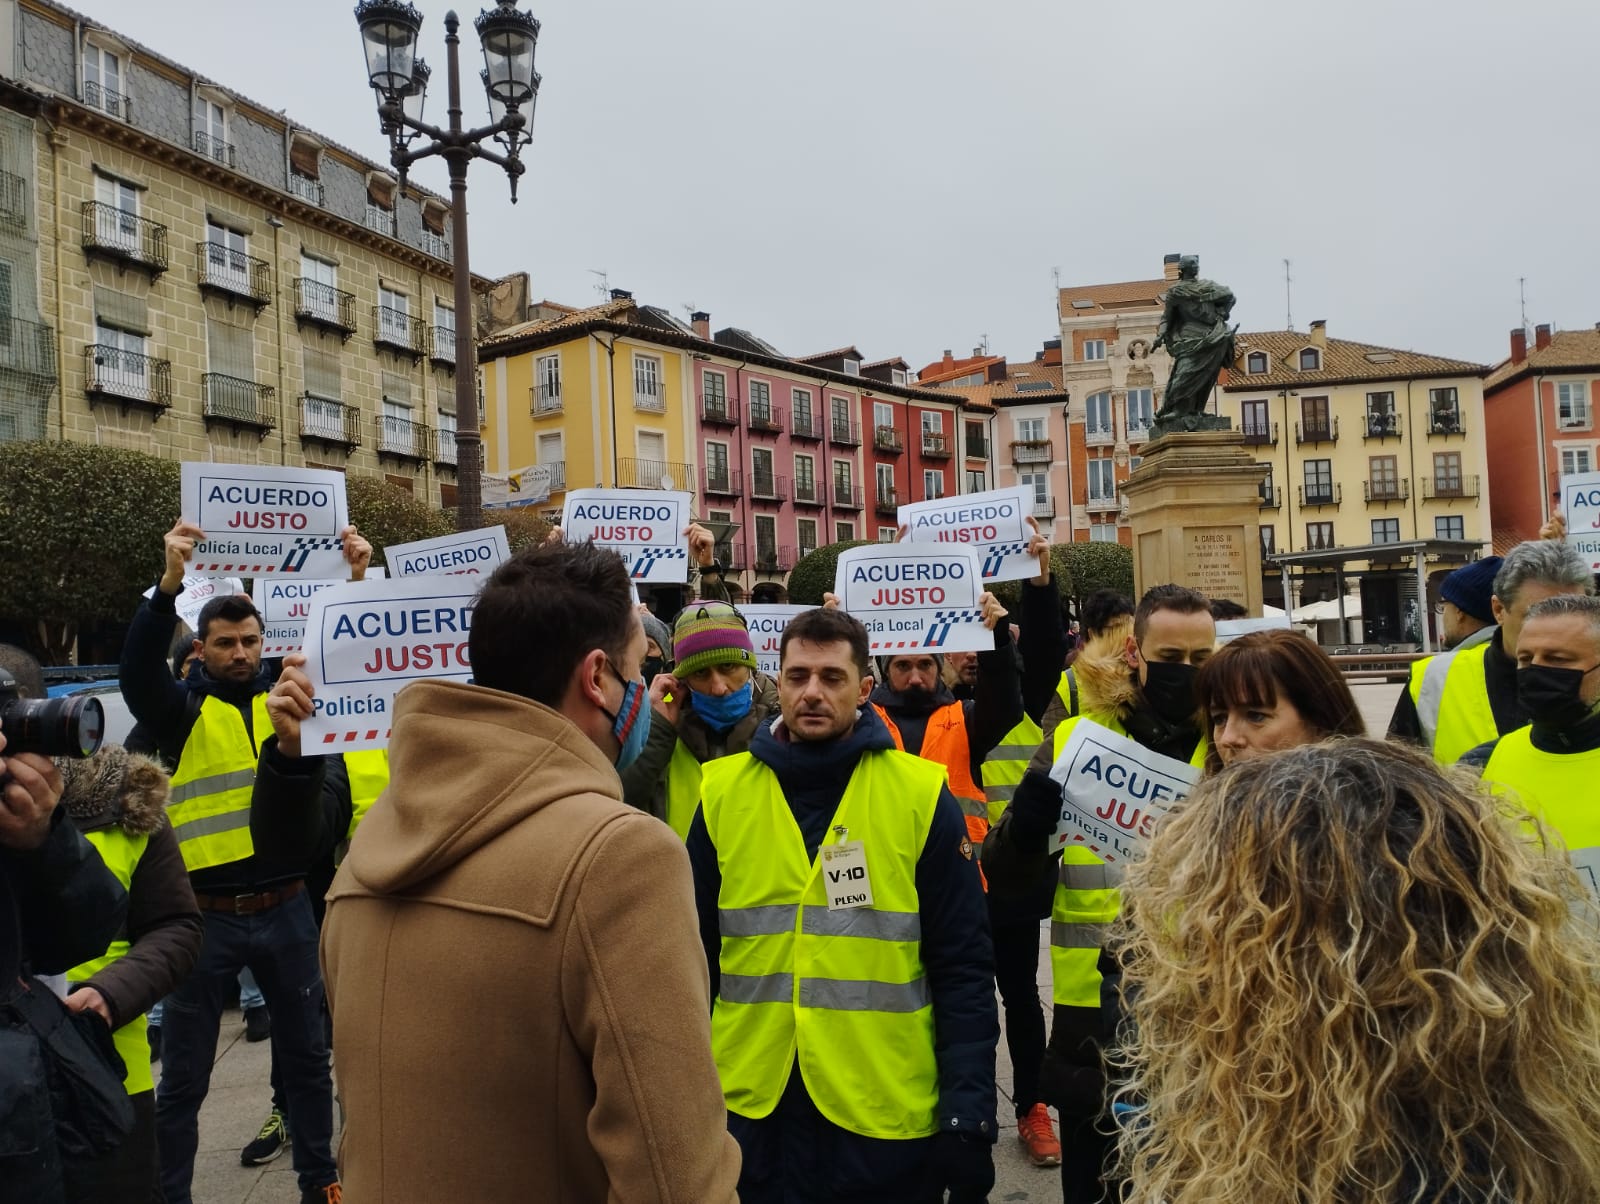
(51, 727)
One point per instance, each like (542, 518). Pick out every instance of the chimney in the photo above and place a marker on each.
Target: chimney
(621, 294)
(1519, 344)
(1169, 266)
(949, 361)
(700, 321)
(976, 352)
(1051, 353)
(1319, 332)
(1541, 337)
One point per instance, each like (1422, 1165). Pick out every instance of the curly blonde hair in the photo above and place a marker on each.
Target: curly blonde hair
(1353, 979)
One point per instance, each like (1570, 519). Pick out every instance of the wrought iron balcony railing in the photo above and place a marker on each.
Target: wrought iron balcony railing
(1259, 433)
(1385, 490)
(124, 238)
(330, 421)
(1437, 488)
(241, 402)
(213, 148)
(888, 439)
(807, 492)
(805, 426)
(232, 273)
(765, 487)
(1381, 424)
(403, 438)
(442, 345)
(397, 330)
(935, 446)
(764, 418)
(654, 474)
(1032, 451)
(843, 432)
(887, 501)
(126, 376)
(1322, 495)
(1317, 430)
(718, 409)
(323, 305)
(106, 100)
(846, 497)
(722, 481)
(545, 398)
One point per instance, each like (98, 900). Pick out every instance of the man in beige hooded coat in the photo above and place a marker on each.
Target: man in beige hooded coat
(520, 1001)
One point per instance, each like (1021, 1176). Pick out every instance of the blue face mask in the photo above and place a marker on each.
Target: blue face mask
(722, 713)
(630, 723)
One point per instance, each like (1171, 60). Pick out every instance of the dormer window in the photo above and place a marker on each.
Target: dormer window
(1255, 364)
(897, 376)
(212, 111)
(105, 73)
(1310, 360)
(305, 167)
(852, 367)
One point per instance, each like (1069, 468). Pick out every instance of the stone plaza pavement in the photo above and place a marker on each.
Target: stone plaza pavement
(240, 1097)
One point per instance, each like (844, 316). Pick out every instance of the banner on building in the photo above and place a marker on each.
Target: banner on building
(1580, 504)
(367, 640)
(994, 523)
(265, 522)
(914, 597)
(523, 487)
(766, 621)
(466, 553)
(1113, 791)
(644, 526)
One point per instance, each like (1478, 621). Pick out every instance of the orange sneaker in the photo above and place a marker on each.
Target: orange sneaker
(1038, 1137)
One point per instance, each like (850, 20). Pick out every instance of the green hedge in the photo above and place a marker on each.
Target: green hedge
(814, 575)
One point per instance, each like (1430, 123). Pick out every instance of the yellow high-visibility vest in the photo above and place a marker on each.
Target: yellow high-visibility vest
(1559, 789)
(1451, 693)
(683, 789)
(210, 801)
(1008, 760)
(121, 853)
(368, 772)
(844, 992)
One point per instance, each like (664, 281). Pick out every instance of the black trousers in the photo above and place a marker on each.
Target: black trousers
(127, 1175)
(1016, 974)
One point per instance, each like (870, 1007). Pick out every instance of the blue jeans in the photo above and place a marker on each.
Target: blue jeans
(280, 946)
(250, 996)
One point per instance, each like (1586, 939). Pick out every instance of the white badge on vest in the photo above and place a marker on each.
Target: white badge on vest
(844, 871)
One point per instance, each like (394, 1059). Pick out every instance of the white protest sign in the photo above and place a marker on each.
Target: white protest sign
(994, 522)
(914, 597)
(365, 640)
(766, 621)
(644, 526)
(263, 522)
(1113, 790)
(1232, 629)
(197, 591)
(523, 487)
(285, 605)
(473, 553)
(1580, 505)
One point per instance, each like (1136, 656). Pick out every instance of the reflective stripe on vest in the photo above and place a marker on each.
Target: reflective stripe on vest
(1451, 693)
(209, 805)
(121, 853)
(368, 773)
(844, 992)
(1088, 897)
(1559, 789)
(683, 789)
(1006, 763)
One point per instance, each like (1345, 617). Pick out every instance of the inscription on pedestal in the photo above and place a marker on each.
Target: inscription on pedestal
(1214, 561)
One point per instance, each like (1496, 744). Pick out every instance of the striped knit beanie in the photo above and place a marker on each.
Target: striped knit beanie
(710, 633)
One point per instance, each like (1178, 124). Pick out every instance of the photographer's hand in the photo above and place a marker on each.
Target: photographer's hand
(30, 788)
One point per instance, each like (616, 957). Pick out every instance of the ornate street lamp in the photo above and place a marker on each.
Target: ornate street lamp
(399, 80)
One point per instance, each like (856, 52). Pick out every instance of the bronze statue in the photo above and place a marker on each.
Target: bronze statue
(1194, 329)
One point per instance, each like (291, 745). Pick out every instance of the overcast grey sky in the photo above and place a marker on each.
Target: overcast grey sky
(905, 174)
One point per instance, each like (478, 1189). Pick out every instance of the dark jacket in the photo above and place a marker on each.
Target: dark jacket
(644, 783)
(121, 789)
(1042, 645)
(956, 953)
(1500, 675)
(59, 905)
(167, 709)
(300, 813)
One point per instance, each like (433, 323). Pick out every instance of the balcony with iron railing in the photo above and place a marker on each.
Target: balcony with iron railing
(977, 448)
(558, 475)
(1321, 495)
(1386, 489)
(1445, 422)
(805, 426)
(718, 409)
(765, 487)
(124, 238)
(807, 492)
(240, 402)
(731, 557)
(328, 421)
(27, 352)
(721, 481)
(1449, 488)
(396, 330)
(1101, 502)
(444, 452)
(936, 446)
(1381, 424)
(106, 100)
(654, 474)
(13, 199)
(844, 432)
(307, 189)
(1317, 430)
(319, 304)
(1099, 434)
(1271, 498)
(888, 439)
(442, 345)
(435, 244)
(773, 559)
(846, 497)
(1138, 430)
(233, 274)
(764, 418)
(1044, 508)
(1259, 433)
(126, 377)
(213, 148)
(887, 501)
(402, 438)
(1032, 451)
(545, 398)
(649, 394)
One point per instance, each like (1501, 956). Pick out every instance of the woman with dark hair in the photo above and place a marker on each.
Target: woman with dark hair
(1271, 690)
(1353, 979)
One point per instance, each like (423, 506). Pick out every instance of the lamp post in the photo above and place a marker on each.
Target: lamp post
(389, 30)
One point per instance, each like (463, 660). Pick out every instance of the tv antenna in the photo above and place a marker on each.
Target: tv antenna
(1288, 296)
(1055, 274)
(602, 284)
(1522, 293)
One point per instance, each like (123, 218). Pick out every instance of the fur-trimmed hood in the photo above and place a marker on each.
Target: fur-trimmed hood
(114, 786)
(1105, 682)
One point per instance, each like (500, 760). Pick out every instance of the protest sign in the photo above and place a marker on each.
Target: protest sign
(197, 591)
(264, 522)
(914, 597)
(1113, 790)
(365, 640)
(285, 605)
(523, 487)
(1232, 629)
(766, 621)
(470, 553)
(994, 522)
(1580, 506)
(644, 526)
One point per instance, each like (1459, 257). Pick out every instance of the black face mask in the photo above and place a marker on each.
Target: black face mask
(1169, 689)
(652, 666)
(1550, 694)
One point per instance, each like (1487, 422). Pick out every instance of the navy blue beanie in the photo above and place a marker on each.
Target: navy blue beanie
(1471, 587)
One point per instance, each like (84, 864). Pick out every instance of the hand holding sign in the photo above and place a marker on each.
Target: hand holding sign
(289, 704)
(1580, 503)
(1039, 549)
(178, 544)
(915, 597)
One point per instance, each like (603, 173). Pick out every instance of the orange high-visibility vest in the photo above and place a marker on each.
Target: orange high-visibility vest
(945, 743)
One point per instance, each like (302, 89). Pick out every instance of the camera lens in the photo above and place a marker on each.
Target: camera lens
(53, 727)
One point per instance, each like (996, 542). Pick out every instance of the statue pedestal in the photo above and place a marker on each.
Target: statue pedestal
(1194, 504)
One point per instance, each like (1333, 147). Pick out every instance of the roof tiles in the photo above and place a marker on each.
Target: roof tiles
(1342, 360)
(1568, 349)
